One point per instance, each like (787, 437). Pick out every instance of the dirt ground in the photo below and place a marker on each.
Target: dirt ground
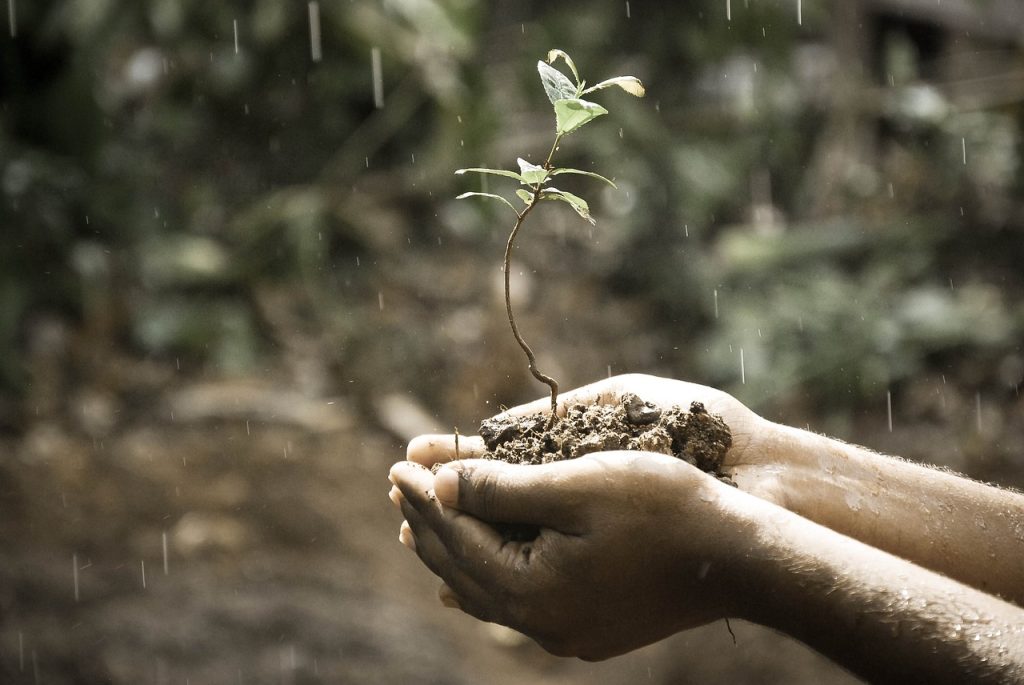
(161, 523)
(253, 542)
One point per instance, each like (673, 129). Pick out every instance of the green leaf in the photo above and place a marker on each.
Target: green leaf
(556, 84)
(574, 201)
(571, 113)
(490, 195)
(630, 84)
(496, 172)
(531, 173)
(555, 54)
(525, 195)
(556, 172)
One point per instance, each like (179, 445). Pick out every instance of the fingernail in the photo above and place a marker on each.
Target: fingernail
(446, 485)
(405, 536)
(395, 495)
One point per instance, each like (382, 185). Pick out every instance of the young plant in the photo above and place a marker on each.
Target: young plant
(571, 113)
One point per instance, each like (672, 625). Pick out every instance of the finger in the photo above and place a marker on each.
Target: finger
(448, 597)
(428, 450)
(497, 491)
(606, 391)
(395, 495)
(472, 598)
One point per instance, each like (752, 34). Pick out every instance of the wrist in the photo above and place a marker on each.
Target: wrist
(735, 534)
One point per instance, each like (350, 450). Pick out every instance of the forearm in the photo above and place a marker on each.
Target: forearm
(949, 524)
(879, 616)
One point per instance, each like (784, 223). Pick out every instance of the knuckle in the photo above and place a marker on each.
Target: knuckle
(487, 492)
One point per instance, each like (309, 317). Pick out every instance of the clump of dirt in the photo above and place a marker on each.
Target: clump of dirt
(695, 436)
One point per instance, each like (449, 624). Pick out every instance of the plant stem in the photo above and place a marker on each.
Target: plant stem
(520, 217)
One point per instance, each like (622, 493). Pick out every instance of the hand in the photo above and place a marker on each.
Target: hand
(749, 462)
(632, 546)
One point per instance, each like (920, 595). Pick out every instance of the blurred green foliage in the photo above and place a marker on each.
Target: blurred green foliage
(808, 204)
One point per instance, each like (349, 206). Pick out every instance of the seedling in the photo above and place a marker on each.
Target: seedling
(571, 113)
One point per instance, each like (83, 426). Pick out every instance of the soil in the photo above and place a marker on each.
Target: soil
(695, 436)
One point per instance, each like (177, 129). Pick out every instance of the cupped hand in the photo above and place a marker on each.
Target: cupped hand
(632, 546)
(749, 462)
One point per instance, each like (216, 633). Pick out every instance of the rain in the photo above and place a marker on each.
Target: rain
(238, 284)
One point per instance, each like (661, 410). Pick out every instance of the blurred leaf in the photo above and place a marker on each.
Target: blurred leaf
(574, 201)
(572, 113)
(490, 195)
(496, 172)
(630, 84)
(556, 53)
(556, 172)
(531, 173)
(556, 85)
(525, 195)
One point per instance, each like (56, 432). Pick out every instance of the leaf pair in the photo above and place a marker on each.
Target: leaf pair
(571, 111)
(574, 201)
(531, 174)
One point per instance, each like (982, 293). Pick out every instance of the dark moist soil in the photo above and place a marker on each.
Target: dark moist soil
(696, 436)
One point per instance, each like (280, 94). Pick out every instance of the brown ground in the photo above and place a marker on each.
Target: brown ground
(281, 564)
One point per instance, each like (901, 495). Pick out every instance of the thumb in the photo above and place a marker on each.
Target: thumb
(497, 491)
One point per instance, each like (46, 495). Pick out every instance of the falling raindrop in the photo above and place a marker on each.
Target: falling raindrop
(743, 369)
(247, 432)
(892, 191)
(74, 573)
(315, 49)
(609, 371)
(378, 78)
(163, 541)
(380, 299)
(143, 564)
(12, 19)
(234, 25)
(799, 12)
(716, 303)
(963, 147)
(628, 14)
(728, 10)
(888, 408)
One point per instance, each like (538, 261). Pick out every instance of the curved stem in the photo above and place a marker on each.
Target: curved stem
(543, 378)
(520, 217)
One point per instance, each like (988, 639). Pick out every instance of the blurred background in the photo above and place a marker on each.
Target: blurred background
(234, 281)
